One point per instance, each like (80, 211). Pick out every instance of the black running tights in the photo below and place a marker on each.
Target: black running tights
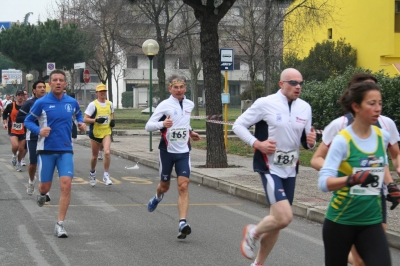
(370, 242)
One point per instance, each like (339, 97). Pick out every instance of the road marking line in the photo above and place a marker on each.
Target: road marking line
(30, 244)
(138, 205)
(286, 230)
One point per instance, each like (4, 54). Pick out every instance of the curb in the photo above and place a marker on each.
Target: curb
(298, 209)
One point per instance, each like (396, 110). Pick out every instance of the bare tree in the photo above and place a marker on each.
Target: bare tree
(260, 35)
(190, 45)
(105, 22)
(246, 37)
(118, 73)
(314, 14)
(161, 19)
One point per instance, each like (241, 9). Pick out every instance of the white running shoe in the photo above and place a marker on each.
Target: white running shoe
(107, 180)
(100, 156)
(18, 167)
(59, 230)
(31, 187)
(92, 177)
(48, 197)
(23, 163)
(249, 243)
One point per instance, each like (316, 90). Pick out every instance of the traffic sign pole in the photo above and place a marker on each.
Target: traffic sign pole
(84, 94)
(86, 79)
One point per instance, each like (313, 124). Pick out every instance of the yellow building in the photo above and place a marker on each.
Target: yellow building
(370, 26)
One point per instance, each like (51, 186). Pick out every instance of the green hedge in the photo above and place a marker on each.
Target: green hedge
(127, 99)
(323, 96)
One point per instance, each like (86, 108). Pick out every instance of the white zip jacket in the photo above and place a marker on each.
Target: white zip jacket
(342, 122)
(275, 119)
(175, 139)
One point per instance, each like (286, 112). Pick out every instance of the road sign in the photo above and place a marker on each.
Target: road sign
(79, 65)
(11, 75)
(86, 76)
(4, 25)
(226, 59)
(50, 67)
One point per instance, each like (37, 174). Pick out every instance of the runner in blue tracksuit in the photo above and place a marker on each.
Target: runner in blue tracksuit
(38, 90)
(54, 113)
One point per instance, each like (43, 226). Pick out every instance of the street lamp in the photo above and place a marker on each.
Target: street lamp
(29, 78)
(150, 48)
(14, 83)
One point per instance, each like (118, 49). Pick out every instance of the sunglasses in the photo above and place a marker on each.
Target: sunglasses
(294, 82)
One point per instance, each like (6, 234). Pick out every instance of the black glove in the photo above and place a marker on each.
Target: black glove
(393, 195)
(100, 120)
(112, 123)
(362, 178)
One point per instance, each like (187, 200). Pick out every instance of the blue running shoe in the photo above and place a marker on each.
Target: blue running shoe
(184, 230)
(153, 202)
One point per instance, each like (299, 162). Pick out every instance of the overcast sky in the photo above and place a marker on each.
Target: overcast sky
(13, 10)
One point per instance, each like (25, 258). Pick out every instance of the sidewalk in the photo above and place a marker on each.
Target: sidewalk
(309, 201)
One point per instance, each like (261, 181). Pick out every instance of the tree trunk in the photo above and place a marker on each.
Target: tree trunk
(216, 153)
(161, 72)
(109, 77)
(195, 94)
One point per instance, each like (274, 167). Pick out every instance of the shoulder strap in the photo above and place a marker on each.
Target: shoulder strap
(378, 124)
(350, 118)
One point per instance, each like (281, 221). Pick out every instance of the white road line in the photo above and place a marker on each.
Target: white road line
(286, 230)
(33, 211)
(31, 246)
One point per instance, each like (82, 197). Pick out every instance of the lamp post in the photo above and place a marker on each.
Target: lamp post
(150, 48)
(29, 78)
(14, 83)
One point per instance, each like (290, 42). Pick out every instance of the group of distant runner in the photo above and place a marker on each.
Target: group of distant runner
(352, 158)
(44, 125)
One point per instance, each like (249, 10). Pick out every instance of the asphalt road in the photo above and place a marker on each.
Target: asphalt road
(110, 225)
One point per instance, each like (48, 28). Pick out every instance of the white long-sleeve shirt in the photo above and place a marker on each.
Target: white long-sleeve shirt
(276, 119)
(175, 139)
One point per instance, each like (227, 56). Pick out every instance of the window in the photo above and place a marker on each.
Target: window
(94, 78)
(132, 61)
(236, 64)
(236, 12)
(234, 90)
(183, 63)
(397, 16)
(155, 62)
(330, 34)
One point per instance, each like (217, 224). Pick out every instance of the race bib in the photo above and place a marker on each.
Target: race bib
(107, 117)
(17, 126)
(373, 188)
(285, 158)
(178, 134)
